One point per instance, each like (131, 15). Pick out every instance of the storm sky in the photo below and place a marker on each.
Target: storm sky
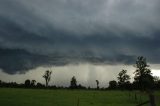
(86, 34)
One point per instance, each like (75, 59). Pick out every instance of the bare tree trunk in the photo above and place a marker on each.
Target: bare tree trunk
(46, 83)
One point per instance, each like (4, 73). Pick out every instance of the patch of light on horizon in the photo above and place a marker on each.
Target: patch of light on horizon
(156, 72)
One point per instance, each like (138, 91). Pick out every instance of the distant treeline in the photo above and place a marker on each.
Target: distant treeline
(143, 80)
(113, 85)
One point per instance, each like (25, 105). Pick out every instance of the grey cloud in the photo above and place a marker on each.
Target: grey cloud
(60, 32)
(85, 17)
(19, 61)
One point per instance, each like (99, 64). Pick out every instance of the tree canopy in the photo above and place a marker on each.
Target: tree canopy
(143, 76)
(47, 76)
(73, 84)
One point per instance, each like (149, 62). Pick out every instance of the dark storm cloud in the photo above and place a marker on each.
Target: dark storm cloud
(59, 32)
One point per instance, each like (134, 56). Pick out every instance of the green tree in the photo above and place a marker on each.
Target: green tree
(123, 78)
(143, 76)
(33, 82)
(156, 78)
(27, 83)
(73, 84)
(47, 76)
(97, 82)
(157, 82)
(112, 84)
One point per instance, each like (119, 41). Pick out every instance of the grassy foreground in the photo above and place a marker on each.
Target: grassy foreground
(40, 97)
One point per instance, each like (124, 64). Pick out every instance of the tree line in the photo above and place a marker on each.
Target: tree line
(143, 80)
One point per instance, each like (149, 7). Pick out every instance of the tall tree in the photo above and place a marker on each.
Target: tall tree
(47, 76)
(143, 76)
(123, 78)
(97, 82)
(73, 84)
(144, 79)
(27, 83)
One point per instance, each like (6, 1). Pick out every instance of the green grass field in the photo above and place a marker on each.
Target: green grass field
(40, 97)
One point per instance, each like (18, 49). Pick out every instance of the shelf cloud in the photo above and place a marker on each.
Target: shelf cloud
(37, 33)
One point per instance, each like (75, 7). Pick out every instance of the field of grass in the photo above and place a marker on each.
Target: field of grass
(40, 97)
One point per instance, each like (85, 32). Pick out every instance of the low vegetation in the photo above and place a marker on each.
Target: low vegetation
(41, 97)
